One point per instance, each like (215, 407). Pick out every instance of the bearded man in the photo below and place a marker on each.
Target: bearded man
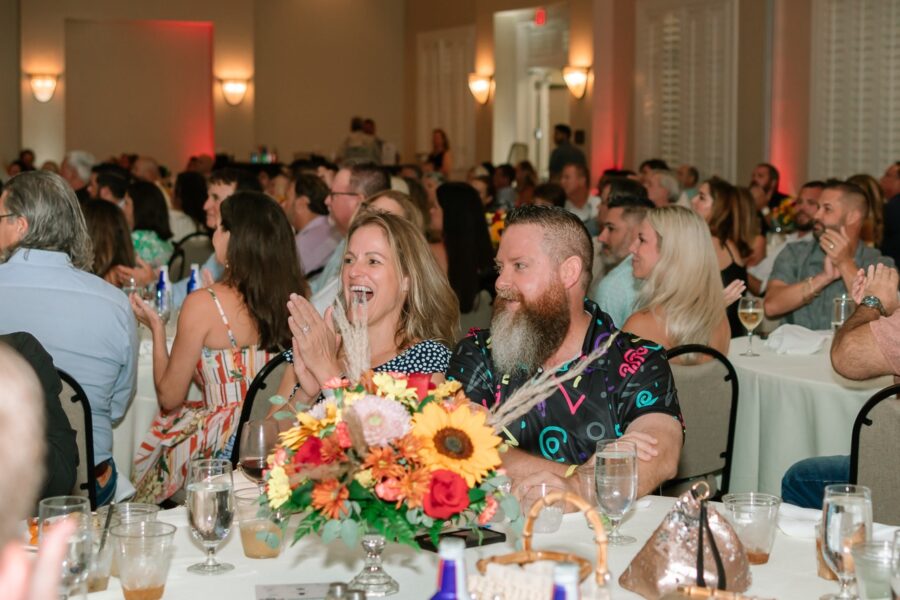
(543, 321)
(809, 274)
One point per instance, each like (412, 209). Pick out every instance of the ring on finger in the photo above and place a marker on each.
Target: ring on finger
(831, 246)
(305, 328)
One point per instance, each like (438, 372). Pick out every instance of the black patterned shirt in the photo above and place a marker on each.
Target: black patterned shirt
(631, 380)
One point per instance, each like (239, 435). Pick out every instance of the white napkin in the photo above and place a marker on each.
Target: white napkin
(798, 522)
(794, 339)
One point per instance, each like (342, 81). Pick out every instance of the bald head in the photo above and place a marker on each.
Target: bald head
(146, 168)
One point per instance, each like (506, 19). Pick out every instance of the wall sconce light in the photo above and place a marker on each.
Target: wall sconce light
(234, 90)
(43, 86)
(481, 87)
(576, 79)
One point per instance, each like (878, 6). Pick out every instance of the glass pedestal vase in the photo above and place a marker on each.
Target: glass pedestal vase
(372, 579)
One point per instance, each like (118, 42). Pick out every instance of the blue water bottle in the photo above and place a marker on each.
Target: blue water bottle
(565, 582)
(194, 279)
(452, 571)
(163, 294)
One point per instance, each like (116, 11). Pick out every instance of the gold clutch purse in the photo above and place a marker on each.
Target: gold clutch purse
(693, 546)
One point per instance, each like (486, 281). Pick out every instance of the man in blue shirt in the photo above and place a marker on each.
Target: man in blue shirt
(46, 289)
(617, 291)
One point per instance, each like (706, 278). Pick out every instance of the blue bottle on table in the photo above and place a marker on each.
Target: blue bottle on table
(451, 571)
(565, 582)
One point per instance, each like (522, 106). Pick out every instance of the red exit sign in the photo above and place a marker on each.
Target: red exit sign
(540, 16)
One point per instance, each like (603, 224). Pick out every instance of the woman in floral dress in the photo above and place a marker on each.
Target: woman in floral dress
(226, 333)
(145, 210)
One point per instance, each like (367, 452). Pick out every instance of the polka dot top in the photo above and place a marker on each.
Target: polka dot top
(429, 356)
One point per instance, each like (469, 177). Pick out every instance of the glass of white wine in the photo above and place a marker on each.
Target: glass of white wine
(615, 475)
(210, 504)
(750, 312)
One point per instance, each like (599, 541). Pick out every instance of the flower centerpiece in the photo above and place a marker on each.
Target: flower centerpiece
(392, 454)
(783, 216)
(496, 222)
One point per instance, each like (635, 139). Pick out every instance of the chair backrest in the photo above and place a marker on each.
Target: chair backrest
(256, 405)
(195, 248)
(875, 453)
(708, 395)
(77, 408)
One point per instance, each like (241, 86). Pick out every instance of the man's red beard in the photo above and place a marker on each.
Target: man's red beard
(523, 339)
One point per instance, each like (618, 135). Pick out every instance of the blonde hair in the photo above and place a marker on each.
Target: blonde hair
(21, 440)
(685, 284)
(410, 210)
(431, 309)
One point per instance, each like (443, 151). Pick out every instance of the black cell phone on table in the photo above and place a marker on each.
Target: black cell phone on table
(469, 536)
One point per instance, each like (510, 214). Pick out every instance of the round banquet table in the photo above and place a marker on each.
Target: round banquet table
(790, 407)
(790, 572)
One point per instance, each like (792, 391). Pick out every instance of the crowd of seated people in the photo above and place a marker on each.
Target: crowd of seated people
(408, 252)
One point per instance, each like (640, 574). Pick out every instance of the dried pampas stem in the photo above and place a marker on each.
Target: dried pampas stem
(540, 388)
(354, 338)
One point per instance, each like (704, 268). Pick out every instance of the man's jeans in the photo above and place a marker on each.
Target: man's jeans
(804, 483)
(107, 493)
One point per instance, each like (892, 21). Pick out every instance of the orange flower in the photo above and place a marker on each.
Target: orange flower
(383, 462)
(330, 497)
(332, 450)
(409, 447)
(414, 486)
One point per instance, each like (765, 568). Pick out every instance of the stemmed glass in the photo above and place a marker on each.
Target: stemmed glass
(257, 440)
(895, 566)
(750, 312)
(847, 521)
(210, 505)
(615, 474)
(77, 559)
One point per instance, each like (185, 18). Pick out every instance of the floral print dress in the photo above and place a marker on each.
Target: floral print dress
(151, 248)
(197, 429)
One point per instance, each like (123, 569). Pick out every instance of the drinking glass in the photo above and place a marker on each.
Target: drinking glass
(847, 521)
(895, 566)
(550, 517)
(144, 551)
(261, 535)
(130, 287)
(257, 440)
(615, 474)
(77, 558)
(843, 308)
(754, 517)
(750, 312)
(164, 304)
(872, 562)
(210, 505)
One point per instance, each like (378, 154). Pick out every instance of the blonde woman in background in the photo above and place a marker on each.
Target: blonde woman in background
(681, 299)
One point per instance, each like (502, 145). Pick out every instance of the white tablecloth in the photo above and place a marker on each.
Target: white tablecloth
(790, 572)
(790, 407)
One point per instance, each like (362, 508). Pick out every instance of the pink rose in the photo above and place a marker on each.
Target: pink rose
(389, 489)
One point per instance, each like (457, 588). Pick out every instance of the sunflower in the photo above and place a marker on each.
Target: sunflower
(458, 441)
(311, 423)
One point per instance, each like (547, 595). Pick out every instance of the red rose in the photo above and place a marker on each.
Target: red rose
(449, 495)
(422, 383)
(310, 453)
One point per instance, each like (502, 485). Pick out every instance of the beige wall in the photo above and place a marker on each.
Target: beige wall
(43, 50)
(166, 82)
(753, 89)
(9, 73)
(319, 63)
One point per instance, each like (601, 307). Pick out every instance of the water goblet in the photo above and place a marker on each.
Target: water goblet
(847, 521)
(77, 558)
(750, 312)
(615, 475)
(210, 505)
(895, 566)
(843, 308)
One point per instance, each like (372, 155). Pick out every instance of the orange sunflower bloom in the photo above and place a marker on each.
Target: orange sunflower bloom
(383, 462)
(330, 498)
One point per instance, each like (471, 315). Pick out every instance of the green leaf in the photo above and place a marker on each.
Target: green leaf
(358, 492)
(413, 516)
(510, 507)
(350, 532)
(331, 531)
(426, 521)
(476, 495)
(281, 415)
(277, 400)
(302, 494)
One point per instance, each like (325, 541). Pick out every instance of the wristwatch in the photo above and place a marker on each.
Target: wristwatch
(874, 302)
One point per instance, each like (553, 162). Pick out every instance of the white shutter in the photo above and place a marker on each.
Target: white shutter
(685, 83)
(855, 117)
(445, 58)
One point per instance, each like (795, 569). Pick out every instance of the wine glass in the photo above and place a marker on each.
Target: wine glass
(847, 521)
(615, 474)
(210, 506)
(750, 312)
(257, 440)
(895, 566)
(77, 559)
(164, 304)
